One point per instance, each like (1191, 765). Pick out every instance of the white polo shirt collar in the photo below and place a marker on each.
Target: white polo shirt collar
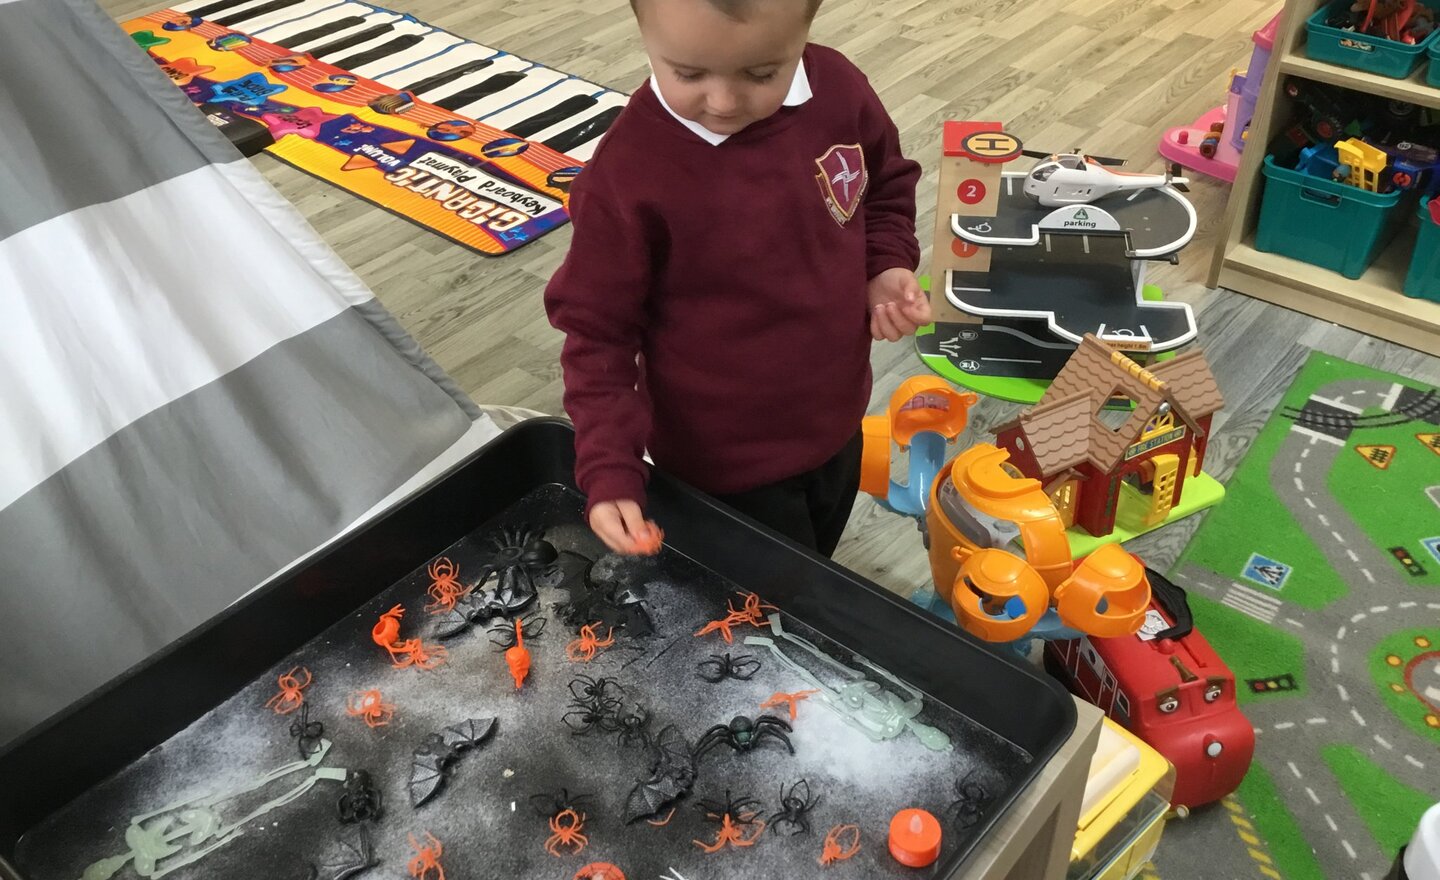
(799, 93)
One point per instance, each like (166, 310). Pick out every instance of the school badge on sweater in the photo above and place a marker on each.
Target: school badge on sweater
(842, 180)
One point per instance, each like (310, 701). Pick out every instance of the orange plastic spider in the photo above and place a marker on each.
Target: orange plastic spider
(370, 706)
(567, 832)
(290, 697)
(599, 871)
(445, 589)
(410, 652)
(790, 700)
(648, 541)
(426, 864)
(589, 644)
(732, 833)
(751, 611)
(662, 822)
(842, 843)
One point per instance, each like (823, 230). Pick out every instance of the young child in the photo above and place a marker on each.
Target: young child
(744, 230)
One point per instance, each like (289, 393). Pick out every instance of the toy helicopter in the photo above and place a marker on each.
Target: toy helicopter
(1061, 179)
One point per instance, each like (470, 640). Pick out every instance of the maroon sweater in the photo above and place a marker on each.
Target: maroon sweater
(728, 271)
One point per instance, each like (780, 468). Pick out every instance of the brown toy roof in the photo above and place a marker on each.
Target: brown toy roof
(1064, 428)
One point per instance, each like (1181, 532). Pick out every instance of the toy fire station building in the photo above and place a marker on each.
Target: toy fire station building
(1097, 462)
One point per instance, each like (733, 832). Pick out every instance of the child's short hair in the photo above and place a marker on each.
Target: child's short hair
(736, 8)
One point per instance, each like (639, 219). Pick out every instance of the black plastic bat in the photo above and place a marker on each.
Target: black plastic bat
(349, 855)
(431, 760)
(669, 777)
(615, 606)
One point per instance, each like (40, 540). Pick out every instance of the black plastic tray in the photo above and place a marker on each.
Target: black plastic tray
(145, 706)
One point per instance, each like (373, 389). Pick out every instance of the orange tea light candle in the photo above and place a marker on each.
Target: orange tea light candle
(915, 838)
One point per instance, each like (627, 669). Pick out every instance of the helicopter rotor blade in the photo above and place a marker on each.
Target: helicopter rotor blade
(1176, 176)
(1036, 154)
(1105, 160)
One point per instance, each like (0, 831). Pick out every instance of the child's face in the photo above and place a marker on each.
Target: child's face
(719, 72)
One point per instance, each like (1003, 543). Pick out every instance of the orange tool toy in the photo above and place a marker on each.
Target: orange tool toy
(410, 652)
(752, 611)
(426, 863)
(567, 829)
(790, 700)
(370, 706)
(734, 816)
(599, 871)
(445, 589)
(290, 697)
(517, 656)
(842, 843)
(915, 838)
(584, 649)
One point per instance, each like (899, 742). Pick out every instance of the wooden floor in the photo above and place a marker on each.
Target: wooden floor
(1105, 75)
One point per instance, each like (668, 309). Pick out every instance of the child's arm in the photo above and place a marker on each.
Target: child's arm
(597, 298)
(897, 305)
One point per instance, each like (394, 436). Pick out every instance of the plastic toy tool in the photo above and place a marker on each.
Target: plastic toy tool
(915, 838)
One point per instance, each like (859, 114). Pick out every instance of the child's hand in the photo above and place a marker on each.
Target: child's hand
(898, 307)
(624, 529)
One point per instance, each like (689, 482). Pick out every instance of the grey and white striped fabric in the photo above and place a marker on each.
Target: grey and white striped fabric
(194, 390)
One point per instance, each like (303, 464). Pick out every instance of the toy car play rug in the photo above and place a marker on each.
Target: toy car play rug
(474, 143)
(1318, 581)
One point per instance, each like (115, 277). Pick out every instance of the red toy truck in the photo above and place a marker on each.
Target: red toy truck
(1169, 687)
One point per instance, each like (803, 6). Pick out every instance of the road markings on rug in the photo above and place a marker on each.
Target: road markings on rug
(1247, 601)
(1314, 798)
(1245, 830)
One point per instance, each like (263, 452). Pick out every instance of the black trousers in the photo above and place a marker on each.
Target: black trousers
(810, 508)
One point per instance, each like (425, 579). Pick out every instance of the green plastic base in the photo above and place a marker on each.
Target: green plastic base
(1027, 391)
(1201, 491)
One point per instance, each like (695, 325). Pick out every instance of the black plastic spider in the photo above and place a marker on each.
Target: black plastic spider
(616, 606)
(361, 800)
(795, 806)
(743, 733)
(502, 635)
(583, 689)
(521, 559)
(549, 804)
(722, 666)
(742, 811)
(632, 728)
(307, 733)
(970, 803)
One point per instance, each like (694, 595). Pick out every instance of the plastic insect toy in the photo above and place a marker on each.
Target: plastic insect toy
(431, 760)
(595, 703)
(520, 560)
(630, 728)
(971, 800)
(669, 775)
(585, 689)
(445, 588)
(796, 803)
(347, 856)
(752, 612)
(719, 667)
(512, 642)
(361, 801)
(567, 829)
(584, 648)
(426, 863)
(291, 695)
(308, 734)
(549, 804)
(599, 871)
(841, 843)
(744, 733)
(585, 717)
(790, 701)
(735, 817)
(648, 540)
(406, 653)
(620, 607)
(661, 823)
(370, 706)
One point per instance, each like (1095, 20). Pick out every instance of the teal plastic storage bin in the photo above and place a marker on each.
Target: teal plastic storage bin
(1423, 279)
(1362, 51)
(1334, 225)
(1433, 75)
